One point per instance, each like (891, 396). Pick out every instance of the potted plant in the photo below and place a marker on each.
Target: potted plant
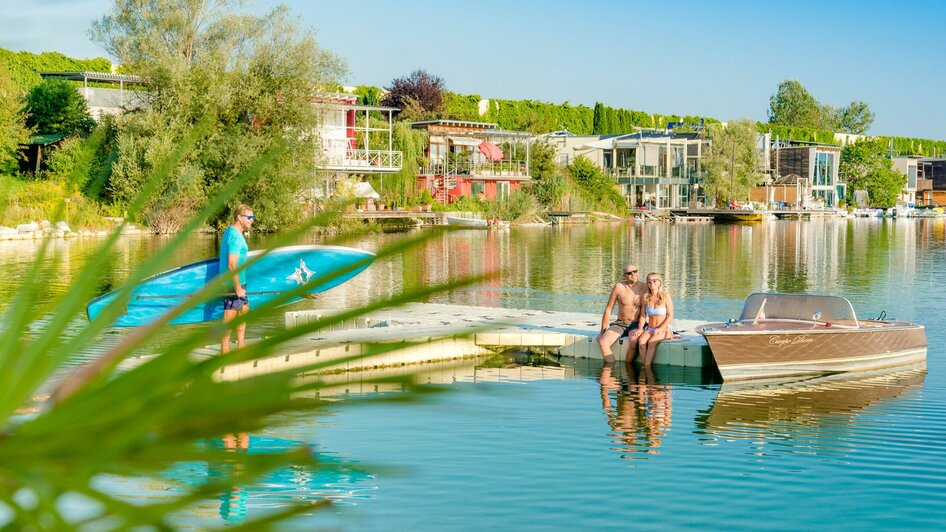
(426, 199)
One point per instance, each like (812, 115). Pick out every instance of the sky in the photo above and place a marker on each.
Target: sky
(710, 58)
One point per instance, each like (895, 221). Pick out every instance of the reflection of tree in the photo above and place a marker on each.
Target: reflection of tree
(641, 413)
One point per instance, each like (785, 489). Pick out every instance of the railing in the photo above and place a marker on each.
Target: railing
(924, 184)
(364, 161)
(512, 170)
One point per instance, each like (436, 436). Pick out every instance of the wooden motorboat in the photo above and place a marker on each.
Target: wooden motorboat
(801, 334)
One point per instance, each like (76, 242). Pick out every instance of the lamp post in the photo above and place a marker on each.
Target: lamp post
(732, 169)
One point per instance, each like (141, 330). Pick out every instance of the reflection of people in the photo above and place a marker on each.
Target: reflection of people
(656, 313)
(233, 249)
(233, 499)
(627, 294)
(641, 414)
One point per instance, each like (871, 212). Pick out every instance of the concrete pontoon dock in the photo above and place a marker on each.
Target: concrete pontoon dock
(446, 332)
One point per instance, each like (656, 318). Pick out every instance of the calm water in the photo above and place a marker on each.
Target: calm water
(544, 443)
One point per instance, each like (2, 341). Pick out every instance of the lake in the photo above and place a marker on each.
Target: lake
(533, 442)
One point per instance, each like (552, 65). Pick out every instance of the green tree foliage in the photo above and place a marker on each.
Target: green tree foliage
(540, 117)
(400, 186)
(13, 130)
(912, 146)
(246, 80)
(792, 105)
(864, 167)
(419, 95)
(461, 107)
(24, 67)
(368, 95)
(549, 185)
(820, 136)
(595, 187)
(732, 164)
(56, 106)
(856, 118)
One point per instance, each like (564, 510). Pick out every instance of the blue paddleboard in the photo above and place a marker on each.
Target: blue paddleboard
(283, 269)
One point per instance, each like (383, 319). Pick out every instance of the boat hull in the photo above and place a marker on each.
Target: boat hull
(764, 350)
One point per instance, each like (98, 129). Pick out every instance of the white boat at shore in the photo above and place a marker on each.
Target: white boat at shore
(466, 222)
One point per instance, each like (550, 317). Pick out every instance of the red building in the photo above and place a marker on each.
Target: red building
(472, 159)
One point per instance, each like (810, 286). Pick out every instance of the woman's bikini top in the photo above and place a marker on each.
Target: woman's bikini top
(660, 311)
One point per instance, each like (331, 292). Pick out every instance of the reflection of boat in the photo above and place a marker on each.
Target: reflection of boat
(799, 334)
(465, 222)
(750, 410)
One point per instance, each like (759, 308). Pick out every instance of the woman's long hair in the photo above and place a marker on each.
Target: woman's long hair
(659, 297)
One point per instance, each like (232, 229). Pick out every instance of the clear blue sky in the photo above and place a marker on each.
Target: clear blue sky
(719, 59)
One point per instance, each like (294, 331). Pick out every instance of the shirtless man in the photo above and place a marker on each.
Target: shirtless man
(627, 293)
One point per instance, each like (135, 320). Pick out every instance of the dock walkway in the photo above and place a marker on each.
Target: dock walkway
(441, 332)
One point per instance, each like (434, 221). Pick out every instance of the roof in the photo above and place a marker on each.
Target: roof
(93, 76)
(45, 140)
(458, 123)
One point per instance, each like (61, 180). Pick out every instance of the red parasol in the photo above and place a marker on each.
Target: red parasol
(491, 151)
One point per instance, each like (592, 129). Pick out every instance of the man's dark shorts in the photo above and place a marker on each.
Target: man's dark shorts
(234, 303)
(623, 327)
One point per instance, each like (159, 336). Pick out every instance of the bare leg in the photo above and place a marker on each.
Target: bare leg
(605, 340)
(643, 346)
(241, 328)
(632, 347)
(652, 347)
(225, 342)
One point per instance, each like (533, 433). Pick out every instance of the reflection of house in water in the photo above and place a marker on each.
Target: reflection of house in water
(662, 170)
(356, 140)
(473, 159)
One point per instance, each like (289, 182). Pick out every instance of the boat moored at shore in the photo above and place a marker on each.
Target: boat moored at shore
(802, 334)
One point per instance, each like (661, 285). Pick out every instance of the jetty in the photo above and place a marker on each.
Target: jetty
(428, 332)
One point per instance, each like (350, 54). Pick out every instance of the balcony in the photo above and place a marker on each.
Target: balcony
(363, 161)
(492, 170)
(924, 184)
(652, 175)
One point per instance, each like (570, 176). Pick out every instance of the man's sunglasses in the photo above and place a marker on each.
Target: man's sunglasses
(632, 272)
(248, 216)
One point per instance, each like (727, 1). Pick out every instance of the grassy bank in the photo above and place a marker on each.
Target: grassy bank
(23, 201)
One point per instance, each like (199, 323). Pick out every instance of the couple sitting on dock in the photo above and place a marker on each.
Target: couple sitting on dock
(645, 311)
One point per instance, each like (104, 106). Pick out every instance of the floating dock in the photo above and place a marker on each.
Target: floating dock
(438, 332)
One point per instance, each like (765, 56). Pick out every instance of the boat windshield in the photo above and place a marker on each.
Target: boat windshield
(831, 309)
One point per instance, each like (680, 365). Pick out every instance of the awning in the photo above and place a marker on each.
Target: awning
(491, 151)
(365, 190)
(464, 141)
(605, 144)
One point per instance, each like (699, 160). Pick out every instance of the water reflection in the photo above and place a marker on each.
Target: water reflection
(641, 412)
(819, 413)
(334, 479)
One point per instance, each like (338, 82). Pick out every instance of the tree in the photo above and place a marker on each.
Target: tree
(793, 105)
(865, 167)
(246, 79)
(13, 130)
(856, 118)
(733, 163)
(419, 95)
(57, 107)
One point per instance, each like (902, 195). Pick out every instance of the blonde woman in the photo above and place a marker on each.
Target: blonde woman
(655, 316)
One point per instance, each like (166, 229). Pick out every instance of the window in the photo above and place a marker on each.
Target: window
(477, 188)
(502, 190)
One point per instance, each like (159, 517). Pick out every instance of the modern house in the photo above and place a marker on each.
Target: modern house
(658, 170)
(105, 100)
(472, 159)
(909, 166)
(356, 141)
(803, 176)
(931, 181)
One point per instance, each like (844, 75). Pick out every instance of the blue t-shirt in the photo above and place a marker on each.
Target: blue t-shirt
(233, 243)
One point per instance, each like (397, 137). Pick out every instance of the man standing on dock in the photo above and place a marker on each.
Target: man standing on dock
(233, 249)
(627, 293)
